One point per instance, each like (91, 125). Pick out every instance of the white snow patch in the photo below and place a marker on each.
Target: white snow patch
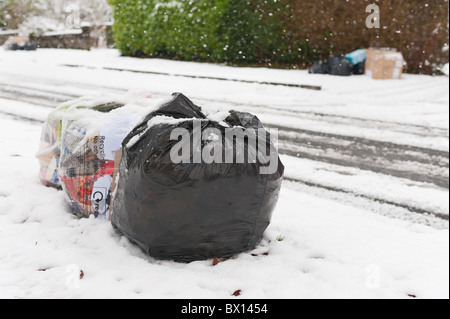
(316, 248)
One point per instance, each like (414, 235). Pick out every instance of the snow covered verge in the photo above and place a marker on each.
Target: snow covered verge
(314, 248)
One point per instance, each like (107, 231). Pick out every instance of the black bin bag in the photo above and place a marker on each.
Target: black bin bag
(320, 67)
(193, 210)
(359, 69)
(339, 65)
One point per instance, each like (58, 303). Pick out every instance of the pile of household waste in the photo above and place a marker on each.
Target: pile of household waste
(17, 43)
(376, 63)
(343, 65)
(160, 172)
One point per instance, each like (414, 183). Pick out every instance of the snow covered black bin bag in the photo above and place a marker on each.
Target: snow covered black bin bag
(186, 193)
(91, 132)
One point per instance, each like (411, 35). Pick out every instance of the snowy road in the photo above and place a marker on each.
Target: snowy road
(357, 146)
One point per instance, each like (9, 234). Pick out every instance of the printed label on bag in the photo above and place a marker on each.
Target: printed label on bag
(101, 196)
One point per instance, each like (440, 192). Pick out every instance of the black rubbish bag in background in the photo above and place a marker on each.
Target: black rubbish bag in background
(340, 65)
(359, 69)
(192, 210)
(320, 67)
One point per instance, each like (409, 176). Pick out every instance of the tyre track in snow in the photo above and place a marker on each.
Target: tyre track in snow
(410, 208)
(409, 162)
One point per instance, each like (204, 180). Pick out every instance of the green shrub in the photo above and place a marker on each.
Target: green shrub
(207, 30)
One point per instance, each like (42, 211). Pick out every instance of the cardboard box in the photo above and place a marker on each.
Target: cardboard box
(15, 40)
(384, 64)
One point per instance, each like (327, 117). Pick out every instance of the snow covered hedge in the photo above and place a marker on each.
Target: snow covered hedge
(214, 30)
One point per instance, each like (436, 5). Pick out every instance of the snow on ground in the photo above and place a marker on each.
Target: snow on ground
(316, 248)
(402, 191)
(319, 245)
(25, 110)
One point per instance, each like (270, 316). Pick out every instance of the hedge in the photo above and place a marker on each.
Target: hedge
(419, 29)
(208, 30)
(279, 32)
